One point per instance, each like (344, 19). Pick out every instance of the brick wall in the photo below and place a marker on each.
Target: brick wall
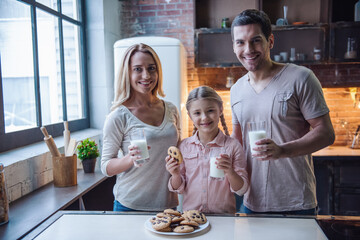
(175, 18)
(345, 116)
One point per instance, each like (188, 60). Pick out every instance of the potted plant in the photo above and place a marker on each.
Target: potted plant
(87, 152)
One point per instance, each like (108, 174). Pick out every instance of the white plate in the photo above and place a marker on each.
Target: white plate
(201, 228)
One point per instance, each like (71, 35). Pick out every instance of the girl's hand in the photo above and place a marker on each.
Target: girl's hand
(172, 166)
(224, 162)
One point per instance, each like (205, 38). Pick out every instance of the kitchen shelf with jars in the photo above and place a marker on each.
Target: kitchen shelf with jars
(345, 42)
(301, 44)
(307, 44)
(306, 32)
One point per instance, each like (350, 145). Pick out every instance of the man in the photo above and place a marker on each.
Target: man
(290, 99)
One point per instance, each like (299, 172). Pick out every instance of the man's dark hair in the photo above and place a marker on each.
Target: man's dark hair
(253, 16)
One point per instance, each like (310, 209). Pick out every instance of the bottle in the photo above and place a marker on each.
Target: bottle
(292, 55)
(4, 204)
(317, 54)
(351, 49)
(357, 12)
(225, 23)
(229, 81)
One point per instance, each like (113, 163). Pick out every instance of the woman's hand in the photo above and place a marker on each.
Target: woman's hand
(134, 154)
(172, 166)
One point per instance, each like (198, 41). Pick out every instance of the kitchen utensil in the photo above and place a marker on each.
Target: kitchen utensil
(50, 143)
(66, 134)
(71, 148)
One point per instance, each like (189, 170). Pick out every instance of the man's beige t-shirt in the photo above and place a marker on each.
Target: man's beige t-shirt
(293, 96)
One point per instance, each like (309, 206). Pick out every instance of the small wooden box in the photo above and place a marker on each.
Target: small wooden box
(65, 171)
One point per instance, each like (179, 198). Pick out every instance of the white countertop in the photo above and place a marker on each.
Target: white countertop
(123, 226)
(337, 151)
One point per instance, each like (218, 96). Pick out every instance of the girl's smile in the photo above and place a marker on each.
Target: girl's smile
(205, 115)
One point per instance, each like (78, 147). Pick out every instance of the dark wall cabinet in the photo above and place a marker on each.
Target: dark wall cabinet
(100, 198)
(338, 185)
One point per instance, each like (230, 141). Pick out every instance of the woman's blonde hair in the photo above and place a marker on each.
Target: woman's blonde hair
(122, 79)
(205, 92)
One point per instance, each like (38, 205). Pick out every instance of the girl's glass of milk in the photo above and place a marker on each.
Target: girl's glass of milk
(257, 131)
(138, 139)
(216, 173)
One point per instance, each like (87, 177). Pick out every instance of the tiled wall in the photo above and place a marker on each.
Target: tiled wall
(175, 18)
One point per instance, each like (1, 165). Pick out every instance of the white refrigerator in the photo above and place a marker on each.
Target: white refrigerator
(172, 55)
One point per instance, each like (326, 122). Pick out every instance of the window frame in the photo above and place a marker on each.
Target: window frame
(22, 138)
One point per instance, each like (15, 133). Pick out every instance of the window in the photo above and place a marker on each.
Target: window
(42, 69)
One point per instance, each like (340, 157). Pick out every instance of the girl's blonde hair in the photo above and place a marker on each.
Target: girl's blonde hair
(122, 79)
(205, 92)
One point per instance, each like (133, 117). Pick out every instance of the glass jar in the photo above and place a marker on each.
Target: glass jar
(4, 204)
(317, 54)
(351, 48)
(225, 23)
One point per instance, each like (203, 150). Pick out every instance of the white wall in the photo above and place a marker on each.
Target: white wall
(103, 30)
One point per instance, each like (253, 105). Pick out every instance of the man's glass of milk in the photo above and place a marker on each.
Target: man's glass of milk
(138, 139)
(257, 131)
(216, 173)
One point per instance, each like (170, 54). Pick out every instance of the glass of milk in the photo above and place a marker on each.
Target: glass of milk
(138, 138)
(216, 173)
(257, 131)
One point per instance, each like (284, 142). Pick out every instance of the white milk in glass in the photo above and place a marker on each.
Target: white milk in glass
(215, 172)
(144, 152)
(138, 139)
(255, 136)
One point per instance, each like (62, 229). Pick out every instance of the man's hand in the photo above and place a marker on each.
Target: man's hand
(267, 149)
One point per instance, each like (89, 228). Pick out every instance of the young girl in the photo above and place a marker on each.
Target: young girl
(200, 191)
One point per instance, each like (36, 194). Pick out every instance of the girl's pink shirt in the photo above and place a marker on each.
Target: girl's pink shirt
(199, 190)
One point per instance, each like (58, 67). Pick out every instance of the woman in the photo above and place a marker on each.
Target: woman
(137, 106)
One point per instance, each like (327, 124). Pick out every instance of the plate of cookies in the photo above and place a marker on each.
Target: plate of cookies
(173, 222)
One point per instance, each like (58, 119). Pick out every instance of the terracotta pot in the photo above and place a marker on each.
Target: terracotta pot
(89, 165)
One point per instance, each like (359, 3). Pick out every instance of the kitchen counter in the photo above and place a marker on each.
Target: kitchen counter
(31, 210)
(133, 225)
(337, 151)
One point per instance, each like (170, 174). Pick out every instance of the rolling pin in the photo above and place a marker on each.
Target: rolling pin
(66, 134)
(50, 143)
